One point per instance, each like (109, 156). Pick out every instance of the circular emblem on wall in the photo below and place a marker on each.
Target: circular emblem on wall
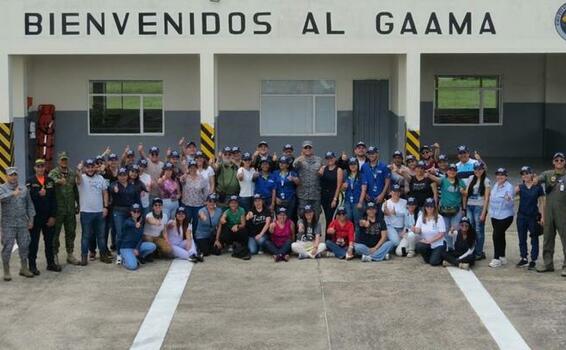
(560, 21)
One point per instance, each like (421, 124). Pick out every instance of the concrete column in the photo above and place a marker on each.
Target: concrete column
(19, 112)
(413, 91)
(4, 88)
(208, 96)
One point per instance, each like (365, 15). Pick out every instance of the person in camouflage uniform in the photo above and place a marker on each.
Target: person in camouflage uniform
(554, 214)
(17, 217)
(67, 197)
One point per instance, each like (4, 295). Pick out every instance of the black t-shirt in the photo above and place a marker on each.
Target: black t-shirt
(256, 223)
(369, 236)
(420, 189)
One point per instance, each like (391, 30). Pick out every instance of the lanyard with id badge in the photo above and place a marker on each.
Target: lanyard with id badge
(351, 183)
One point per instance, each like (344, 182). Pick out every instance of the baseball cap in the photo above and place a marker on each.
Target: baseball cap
(329, 155)
(174, 154)
(135, 168)
(235, 149)
(307, 143)
(180, 210)
(62, 155)
(192, 163)
(122, 171)
(156, 200)
(262, 143)
(89, 162)
(233, 198)
(501, 171)
(257, 196)
(288, 147)
(227, 149)
(411, 201)
(462, 149)
(11, 171)
(360, 144)
(371, 205)
(429, 202)
(452, 166)
(526, 170)
(465, 219)
(112, 156)
(398, 154)
(558, 155)
(372, 150)
(341, 210)
(396, 188)
(282, 210)
(191, 143)
(308, 208)
(154, 150)
(442, 158)
(410, 157)
(142, 163)
(421, 164)
(167, 166)
(212, 197)
(479, 165)
(246, 156)
(264, 160)
(135, 207)
(199, 154)
(352, 161)
(40, 161)
(130, 153)
(99, 159)
(284, 159)
(425, 148)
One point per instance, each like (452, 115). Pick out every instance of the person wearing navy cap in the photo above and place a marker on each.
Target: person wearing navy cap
(145, 178)
(431, 230)
(378, 177)
(245, 177)
(282, 233)
(331, 179)
(128, 157)
(232, 230)
(208, 221)
(355, 187)
(179, 168)
(372, 243)
(286, 182)
(420, 186)
(395, 209)
(340, 236)
(194, 189)
(188, 150)
(462, 255)
(477, 203)
(236, 155)
(427, 156)
(407, 243)
(264, 183)
(226, 177)
(554, 219)
(359, 153)
(308, 241)
(257, 224)
(94, 201)
(179, 234)
(169, 189)
(442, 164)
(133, 249)
(154, 168)
(397, 169)
(262, 151)
(205, 170)
(501, 211)
(465, 166)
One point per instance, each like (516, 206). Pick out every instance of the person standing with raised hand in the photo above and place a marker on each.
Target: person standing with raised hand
(17, 218)
(307, 166)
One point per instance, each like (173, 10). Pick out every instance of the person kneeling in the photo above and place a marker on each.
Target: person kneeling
(154, 228)
(180, 236)
(463, 253)
(431, 228)
(372, 242)
(232, 230)
(132, 248)
(282, 233)
(308, 243)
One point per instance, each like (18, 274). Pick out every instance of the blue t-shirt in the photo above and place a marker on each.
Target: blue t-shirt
(465, 170)
(284, 187)
(207, 228)
(131, 236)
(451, 195)
(264, 186)
(354, 190)
(375, 177)
(528, 199)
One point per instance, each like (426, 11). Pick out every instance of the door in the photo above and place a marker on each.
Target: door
(371, 115)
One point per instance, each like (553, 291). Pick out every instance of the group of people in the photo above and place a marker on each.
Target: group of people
(184, 205)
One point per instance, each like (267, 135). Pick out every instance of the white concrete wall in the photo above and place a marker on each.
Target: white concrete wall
(240, 76)
(522, 75)
(64, 80)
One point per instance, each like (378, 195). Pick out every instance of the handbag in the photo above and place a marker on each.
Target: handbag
(449, 211)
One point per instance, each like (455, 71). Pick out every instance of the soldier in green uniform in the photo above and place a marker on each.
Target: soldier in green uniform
(554, 215)
(67, 197)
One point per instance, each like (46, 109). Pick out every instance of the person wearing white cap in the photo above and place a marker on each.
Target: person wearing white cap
(17, 217)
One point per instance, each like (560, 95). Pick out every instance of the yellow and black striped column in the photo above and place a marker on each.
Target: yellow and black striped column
(6, 148)
(207, 144)
(413, 143)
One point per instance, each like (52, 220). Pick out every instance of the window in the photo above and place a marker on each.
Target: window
(467, 100)
(298, 107)
(126, 107)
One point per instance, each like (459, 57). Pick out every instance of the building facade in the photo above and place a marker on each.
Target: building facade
(489, 74)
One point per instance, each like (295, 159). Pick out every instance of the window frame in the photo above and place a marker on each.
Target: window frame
(314, 96)
(499, 89)
(141, 97)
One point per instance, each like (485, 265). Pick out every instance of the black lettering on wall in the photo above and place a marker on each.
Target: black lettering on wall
(466, 24)
(121, 25)
(383, 27)
(487, 25)
(32, 23)
(409, 25)
(231, 23)
(170, 21)
(259, 22)
(143, 23)
(433, 26)
(310, 25)
(51, 23)
(66, 24)
(205, 21)
(192, 23)
(329, 29)
(91, 21)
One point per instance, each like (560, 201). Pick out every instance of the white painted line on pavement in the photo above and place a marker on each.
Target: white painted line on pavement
(494, 320)
(156, 323)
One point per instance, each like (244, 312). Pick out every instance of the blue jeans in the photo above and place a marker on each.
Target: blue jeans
(192, 214)
(353, 212)
(452, 223)
(526, 225)
(339, 252)
(92, 225)
(246, 203)
(270, 247)
(378, 255)
(170, 207)
(474, 213)
(393, 234)
(254, 245)
(119, 216)
(129, 259)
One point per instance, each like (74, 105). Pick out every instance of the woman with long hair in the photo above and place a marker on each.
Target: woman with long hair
(355, 187)
(206, 171)
(501, 211)
(153, 230)
(180, 236)
(208, 220)
(257, 224)
(282, 233)
(170, 190)
(308, 243)
(245, 177)
(195, 189)
(132, 247)
(477, 202)
(430, 228)
(331, 178)
(419, 185)
(340, 236)
(464, 246)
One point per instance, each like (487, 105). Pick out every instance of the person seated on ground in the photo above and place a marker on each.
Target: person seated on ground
(232, 230)
(340, 236)
(155, 222)
(180, 236)
(371, 240)
(208, 220)
(257, 224)
(282, 233)
(406, 245)
(132, 248)
(308, 244)
(464, 246)
(395, 209)
(431, 229)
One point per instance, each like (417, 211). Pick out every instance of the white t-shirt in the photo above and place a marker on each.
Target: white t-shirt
(475, 198)
(207, 174)
(247, 185)
(144, 196)
(91, 191)
(154, 230)
(431, 229)
(397, 220)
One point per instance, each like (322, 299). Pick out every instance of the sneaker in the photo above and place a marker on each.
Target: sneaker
(495, 263)
(92, 256)
(246, 257)
(503, 260)
(34, 270)
(72, 260)
(366, 258)
(285, 257)
(445, 263)
(260, 252)
(387, 256)
(349, 257)
(54, 268)
(464, 266)
(193, 259)
(410, 254)
(118, 260)
(532, 265)
(200, 257)
(276, 258)
(303, 256)
(480, 257)
(523, 263)
(330, 254)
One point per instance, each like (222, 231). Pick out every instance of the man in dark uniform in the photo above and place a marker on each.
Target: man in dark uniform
(554, 215)
(42, 192)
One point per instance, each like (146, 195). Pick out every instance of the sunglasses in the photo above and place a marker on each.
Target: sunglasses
(136, 211)
(559, 161)
(158, 205)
